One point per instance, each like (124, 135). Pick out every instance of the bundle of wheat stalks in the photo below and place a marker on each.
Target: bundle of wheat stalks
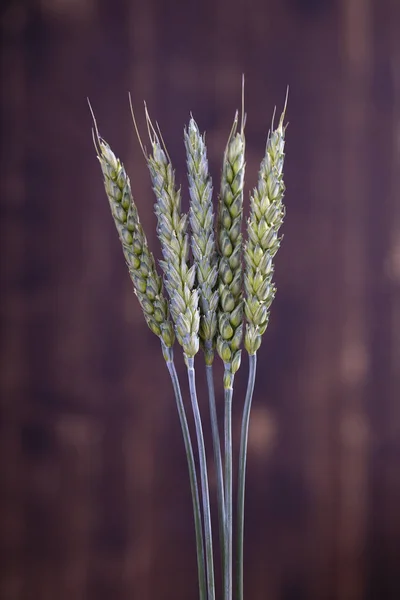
(216, 285)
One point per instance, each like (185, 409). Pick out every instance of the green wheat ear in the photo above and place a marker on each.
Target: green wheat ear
(140, 261)
(203, 240)
(230, 214)
(172, 231)
(267, 212)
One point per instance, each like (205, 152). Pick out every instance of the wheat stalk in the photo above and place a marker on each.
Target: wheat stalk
(193, 479)
(206, 262)
(230, 314)
(184, 300)
(266, 217)
(149, 290)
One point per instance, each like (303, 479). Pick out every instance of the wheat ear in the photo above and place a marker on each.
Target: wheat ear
(203, 240)
(172, 231)
(230, 213)
(140, 261)
(267, 212)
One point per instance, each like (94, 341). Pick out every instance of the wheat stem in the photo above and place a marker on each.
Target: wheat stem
(192, 473)
(217, 461)
(228, 392)
(244, 434)
(204, 478)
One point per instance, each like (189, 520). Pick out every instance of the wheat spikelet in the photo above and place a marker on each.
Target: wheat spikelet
(172, 232)
(140, 261)
(266, 217)
(203, 239)
(230, 313)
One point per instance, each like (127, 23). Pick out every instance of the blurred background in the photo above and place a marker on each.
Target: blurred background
(94, 493)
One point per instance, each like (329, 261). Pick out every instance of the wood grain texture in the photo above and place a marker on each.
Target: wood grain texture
(94, 493)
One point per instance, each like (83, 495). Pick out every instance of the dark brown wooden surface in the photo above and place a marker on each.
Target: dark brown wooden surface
(94, 494)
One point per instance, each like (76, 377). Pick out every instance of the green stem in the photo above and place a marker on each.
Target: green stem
(218, 462)
(228, 493)
(204, 479)
(192, 473)
(244, 434)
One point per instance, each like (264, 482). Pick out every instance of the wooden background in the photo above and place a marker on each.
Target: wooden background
(94, 496)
